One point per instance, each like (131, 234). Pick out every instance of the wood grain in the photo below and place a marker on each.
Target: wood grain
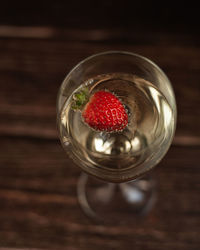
(38, 204)
(35, 68)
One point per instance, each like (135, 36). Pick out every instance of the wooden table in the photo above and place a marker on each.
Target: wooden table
(38, 203)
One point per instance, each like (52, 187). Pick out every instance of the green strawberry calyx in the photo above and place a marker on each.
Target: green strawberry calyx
(80, 98)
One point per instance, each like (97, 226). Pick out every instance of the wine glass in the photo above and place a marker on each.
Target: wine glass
(114, 183)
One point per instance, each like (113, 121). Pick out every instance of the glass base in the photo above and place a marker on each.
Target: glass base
(116, 203)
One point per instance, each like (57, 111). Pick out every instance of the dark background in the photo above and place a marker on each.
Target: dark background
(178, 16)
(40, 41)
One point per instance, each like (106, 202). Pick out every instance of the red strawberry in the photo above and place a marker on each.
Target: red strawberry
(104, 112)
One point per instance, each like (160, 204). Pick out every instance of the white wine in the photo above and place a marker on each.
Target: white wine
(121, 155)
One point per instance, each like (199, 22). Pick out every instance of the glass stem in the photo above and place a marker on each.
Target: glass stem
(105, 202)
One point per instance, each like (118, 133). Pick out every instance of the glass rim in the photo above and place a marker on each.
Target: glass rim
(113, 52)
(128, 173)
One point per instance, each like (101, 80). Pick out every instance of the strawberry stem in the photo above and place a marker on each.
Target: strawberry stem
(80, 98)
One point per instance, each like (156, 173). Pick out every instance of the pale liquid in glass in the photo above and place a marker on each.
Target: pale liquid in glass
(150, 123)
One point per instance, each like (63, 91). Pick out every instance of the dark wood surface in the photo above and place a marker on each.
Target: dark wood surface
(38, 204)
